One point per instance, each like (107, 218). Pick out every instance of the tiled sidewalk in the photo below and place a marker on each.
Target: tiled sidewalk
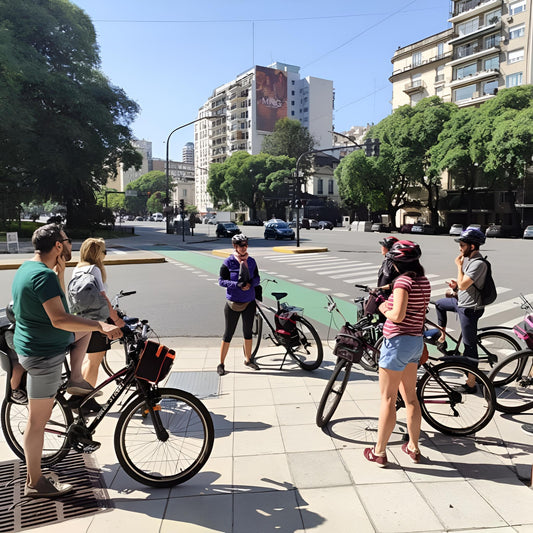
(273, 469)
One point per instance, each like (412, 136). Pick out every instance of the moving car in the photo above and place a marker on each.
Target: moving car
(325, 224)
(158, 217)
(528, 232)
(423, 228)
(227, 229)
(278, 230)
(253, 222)
(378, 226)
(309, 223)
(406, 228)
(456, 229)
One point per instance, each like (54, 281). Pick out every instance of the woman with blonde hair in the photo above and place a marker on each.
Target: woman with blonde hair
(92, 255)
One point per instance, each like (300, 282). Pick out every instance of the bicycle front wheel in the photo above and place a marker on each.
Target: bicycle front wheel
(446, 407)
(257, 331)
(513, 383)
(333, 392)
(309, 352)
(370, 359)
(495, 347)
(55, 447)
(173, 457)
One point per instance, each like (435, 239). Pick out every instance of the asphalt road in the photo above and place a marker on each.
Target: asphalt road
(181, 297)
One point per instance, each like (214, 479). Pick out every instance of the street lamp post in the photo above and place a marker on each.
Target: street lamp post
(168, 208)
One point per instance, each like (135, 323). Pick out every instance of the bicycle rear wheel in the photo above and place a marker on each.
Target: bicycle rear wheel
(513, 383)
(333, 392)
(309, 352)
(55, 447)
(495, 347)
(185, 448)
(257, 331)
(446, 407)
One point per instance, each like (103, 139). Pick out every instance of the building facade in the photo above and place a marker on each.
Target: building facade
(188, 153)
(243, 111)
(124, 177)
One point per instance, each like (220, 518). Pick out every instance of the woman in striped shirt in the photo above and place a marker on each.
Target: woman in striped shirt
(401, 350)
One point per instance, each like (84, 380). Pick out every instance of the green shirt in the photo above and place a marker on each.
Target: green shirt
(33, 285)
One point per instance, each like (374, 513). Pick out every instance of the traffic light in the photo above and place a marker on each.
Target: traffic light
(182, 205)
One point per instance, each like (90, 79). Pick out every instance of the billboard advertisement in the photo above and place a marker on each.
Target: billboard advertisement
(271, 97)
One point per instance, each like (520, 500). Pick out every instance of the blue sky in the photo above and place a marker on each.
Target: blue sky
(169, 55)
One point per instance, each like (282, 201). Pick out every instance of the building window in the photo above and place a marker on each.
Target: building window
(416, 80)
(515, 55)
(467, 70)
(330, 186)
(464, 93)
(466, 50)
(292, 113)
(493, 17)
(468, 27)
(439, 76)
(513, 80)
(517, 7)
(415, 98)
(492, 41)
(517, 31)
(491, 63)
(417, 59)
(293, 93)
(292, 102)
(440, 50)
(320, 186)
(491, 87)
(439, 91)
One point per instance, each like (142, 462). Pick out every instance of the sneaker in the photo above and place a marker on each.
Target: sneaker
(252, 365)
(527, 428)
(415, 456)
(221, 370)
(19, 396)
(90, 406)
(47, 487)
(442, 347)
(380, 460)
(80, 388)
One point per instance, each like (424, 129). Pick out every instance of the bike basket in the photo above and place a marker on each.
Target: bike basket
(524, 331)
(155, 362)
(372, 303)
(349, 344)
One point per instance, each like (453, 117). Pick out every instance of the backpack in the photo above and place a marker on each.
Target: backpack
(488, 293)
(286, 326)
(85, 298)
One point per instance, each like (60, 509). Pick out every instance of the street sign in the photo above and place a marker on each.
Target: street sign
(131, 193)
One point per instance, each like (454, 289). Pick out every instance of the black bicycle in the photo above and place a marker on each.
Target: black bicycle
(513, 377)
(163, 437)
(298, 336)
(445, 405)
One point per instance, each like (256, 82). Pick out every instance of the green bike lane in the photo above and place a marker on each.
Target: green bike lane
(313, 302)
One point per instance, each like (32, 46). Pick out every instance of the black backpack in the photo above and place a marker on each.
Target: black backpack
(488, 293)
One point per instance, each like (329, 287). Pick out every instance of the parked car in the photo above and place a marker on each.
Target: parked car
(253, 222)
(278, 230)
(528, 233)
(456, 229)
(475, 226)
(158, 217)
(227, 229)
(495, 230)
(273, 220)
(309, 223)
(378, 226)
(325, 224)
(139, 219)
(423, 228)
(406, 228)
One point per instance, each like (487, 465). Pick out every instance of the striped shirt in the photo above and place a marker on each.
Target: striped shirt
(419, 291)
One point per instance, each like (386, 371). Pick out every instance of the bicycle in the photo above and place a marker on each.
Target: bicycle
(163, 437)
(110, 363)
(302, 344)
(444, 405)
(513, 377)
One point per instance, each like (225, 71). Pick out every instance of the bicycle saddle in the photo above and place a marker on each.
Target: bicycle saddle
(279, 295)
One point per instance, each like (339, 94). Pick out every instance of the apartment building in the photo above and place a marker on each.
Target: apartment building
(243, 111)
(181, 177)
(124, 177)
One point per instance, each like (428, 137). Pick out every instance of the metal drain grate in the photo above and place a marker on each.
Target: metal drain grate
(18, 513)
(201, 384)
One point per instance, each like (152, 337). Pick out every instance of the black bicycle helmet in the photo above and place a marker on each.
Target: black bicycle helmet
(240, 238)
(472, 236)
(404, 252)
(387, 242)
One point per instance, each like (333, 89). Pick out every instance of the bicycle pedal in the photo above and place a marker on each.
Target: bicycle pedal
(84, 445)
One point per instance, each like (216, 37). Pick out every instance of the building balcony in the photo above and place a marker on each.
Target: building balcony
(465, 10)
(477, 98)
(483, 30)
(424, 62)
(474, 54)
(414, 87)
(474, 78)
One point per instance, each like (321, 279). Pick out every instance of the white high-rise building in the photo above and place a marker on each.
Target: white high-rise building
(246, 110)
(188, 153)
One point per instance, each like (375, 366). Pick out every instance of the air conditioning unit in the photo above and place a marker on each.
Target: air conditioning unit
(509, 19)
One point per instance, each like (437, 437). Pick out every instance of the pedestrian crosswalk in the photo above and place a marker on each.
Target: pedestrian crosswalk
(506, 311)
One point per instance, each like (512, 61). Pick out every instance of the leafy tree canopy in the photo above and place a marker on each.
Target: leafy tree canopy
(63, 126)
(151, 190)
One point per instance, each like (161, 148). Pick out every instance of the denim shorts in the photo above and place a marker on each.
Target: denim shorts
(398, 352)
(44, 375)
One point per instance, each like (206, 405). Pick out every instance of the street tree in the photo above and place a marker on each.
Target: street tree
(245, 179)
(63, 126)
(146, 186)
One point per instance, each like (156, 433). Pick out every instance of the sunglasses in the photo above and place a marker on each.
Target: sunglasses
(67, 240)
(243, 244)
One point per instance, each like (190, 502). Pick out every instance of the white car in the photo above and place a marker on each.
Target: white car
(158, 217)
(456, 229)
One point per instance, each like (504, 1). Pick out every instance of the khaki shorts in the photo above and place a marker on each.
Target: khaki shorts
(44, 375)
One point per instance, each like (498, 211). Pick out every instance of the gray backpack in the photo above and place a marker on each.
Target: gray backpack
(85, 298)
